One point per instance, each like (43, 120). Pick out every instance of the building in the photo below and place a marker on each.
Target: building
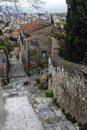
(35, 44)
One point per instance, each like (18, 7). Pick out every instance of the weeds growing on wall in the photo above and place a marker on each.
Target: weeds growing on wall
(49, 94)
(55, 102)
(69, 116)
(82, 126)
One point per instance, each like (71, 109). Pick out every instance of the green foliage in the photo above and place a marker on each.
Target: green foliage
(42, 86)
(49, 75)
(12, 39)
(55, 102)
(9, 44)
(41, 65)
(1, 32)
(76, 30)
(59, 35)
(63, 110)
(70, 118)
(2, 46)
(49, 94)
(38, 81)
(82, 126)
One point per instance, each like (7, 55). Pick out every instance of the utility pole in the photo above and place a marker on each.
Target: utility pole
(1, 101)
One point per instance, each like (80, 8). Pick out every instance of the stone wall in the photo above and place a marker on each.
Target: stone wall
(4, 68)
(32, 48)
(22, 51)
(3, 73)
(68, 81)
(1, 102)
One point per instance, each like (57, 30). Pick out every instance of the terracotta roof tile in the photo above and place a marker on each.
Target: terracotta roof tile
(29, 27)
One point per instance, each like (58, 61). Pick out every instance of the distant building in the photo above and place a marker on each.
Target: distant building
(33, 52)
(56, 18)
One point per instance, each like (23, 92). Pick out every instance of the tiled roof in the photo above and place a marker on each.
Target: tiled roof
(29, 27)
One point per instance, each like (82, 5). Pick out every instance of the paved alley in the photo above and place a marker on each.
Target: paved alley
(27, 107)
(18, 113)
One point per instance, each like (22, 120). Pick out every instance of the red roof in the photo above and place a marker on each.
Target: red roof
(29, 27)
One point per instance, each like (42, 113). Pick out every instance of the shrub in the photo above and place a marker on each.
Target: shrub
(70, 118)
(55, 102)
(2, 46)
(12, 39)
(41, 66)
(49, 75)
(63, 110)
(82, 126)
(49, 94)
(43, 87)
(38, 81)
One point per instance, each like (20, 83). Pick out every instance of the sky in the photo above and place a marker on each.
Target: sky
(55, 6)
(51, 6)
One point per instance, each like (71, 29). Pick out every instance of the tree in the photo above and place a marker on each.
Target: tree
(76, 31)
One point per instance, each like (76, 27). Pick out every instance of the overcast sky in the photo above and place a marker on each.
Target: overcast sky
(51, 6)
(55, 6)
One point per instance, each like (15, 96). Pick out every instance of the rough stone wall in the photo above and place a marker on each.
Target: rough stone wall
(3, 73)
(23, 52)
(68, 81)
(31, 48)
(1, 102)
(4, 68)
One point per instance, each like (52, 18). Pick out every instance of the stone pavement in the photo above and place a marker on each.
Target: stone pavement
(50, 115)
(18, 112)
(20, 115)
(27, 107)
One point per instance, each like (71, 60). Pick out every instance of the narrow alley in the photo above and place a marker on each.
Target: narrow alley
(18, 114)
(27, 107)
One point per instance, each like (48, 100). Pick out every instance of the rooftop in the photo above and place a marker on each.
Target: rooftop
(29, 27)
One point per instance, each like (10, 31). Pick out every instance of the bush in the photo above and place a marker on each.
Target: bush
(63, 110)
(41, 66)
(38, 81)
(43, 87)
(82, 126)
(49, 94)
(55, 102)
(12, 39)
(70, 118)
(49, 75)
(1, 32)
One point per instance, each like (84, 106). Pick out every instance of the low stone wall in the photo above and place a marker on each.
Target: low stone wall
(4, 67)
(68, 81)
(3, 73)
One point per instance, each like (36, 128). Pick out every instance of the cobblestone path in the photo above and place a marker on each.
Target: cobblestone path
(20, 115)
(18, 112)
(27, 107)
